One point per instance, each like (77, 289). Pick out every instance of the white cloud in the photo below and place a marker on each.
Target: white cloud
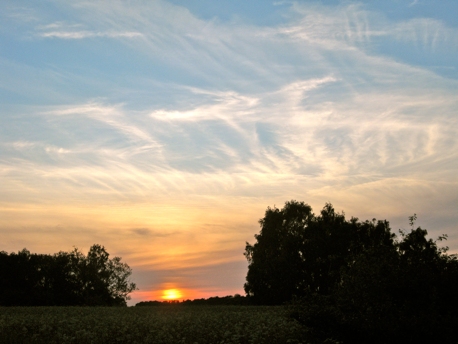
(353, 26)
(428, 33)
(88, 34)
(112, 116)
(64, 30)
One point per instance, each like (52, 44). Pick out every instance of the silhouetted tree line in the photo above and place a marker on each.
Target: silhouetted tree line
(236, 300)
(353, 281)
(64, 279)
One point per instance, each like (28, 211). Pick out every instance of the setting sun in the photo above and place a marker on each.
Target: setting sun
(171, 294)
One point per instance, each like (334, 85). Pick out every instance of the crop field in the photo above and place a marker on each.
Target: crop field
(163, 324)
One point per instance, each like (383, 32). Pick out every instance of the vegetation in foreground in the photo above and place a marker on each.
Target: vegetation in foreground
(160, 325)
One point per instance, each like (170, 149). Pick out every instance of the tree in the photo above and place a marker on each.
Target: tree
(65, 278)
(102, 281)
(106, 279)
(403, 292)
(276, 261)
(298, 253)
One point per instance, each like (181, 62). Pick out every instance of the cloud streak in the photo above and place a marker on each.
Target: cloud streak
(63, 30)
(88, 34)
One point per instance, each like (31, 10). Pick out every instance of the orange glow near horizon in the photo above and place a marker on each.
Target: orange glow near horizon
(158, 294)
(171, 294)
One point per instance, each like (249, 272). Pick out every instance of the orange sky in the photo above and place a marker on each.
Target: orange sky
(194, 245)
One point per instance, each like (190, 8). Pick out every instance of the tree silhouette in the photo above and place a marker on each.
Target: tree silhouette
(297, 252)
(354, 281)
(65, 278)
(276, 261)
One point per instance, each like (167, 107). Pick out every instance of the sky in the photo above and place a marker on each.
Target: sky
(163, 130)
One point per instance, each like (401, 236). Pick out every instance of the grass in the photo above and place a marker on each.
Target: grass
(162, 324)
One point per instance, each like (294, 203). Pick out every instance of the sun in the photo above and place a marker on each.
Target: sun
(171, 294)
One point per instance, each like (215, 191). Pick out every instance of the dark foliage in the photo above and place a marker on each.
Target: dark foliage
(298, 252)
(352, 281)
(64, 279)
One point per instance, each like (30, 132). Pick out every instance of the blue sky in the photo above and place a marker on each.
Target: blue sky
(164, 129)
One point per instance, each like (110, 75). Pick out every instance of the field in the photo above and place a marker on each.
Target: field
(162, 324)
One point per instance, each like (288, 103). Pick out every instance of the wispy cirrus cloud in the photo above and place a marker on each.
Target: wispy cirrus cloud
(63, 30)
(354, 24)
(176, 140)
(111, 116)
(87, 34)
(428, 33)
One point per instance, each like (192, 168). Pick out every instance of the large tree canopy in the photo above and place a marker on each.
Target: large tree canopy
(299, 252)
(354, 281)
(65, 278)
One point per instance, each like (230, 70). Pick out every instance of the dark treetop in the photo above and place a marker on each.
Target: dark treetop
(354, 281)
(64, 279)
